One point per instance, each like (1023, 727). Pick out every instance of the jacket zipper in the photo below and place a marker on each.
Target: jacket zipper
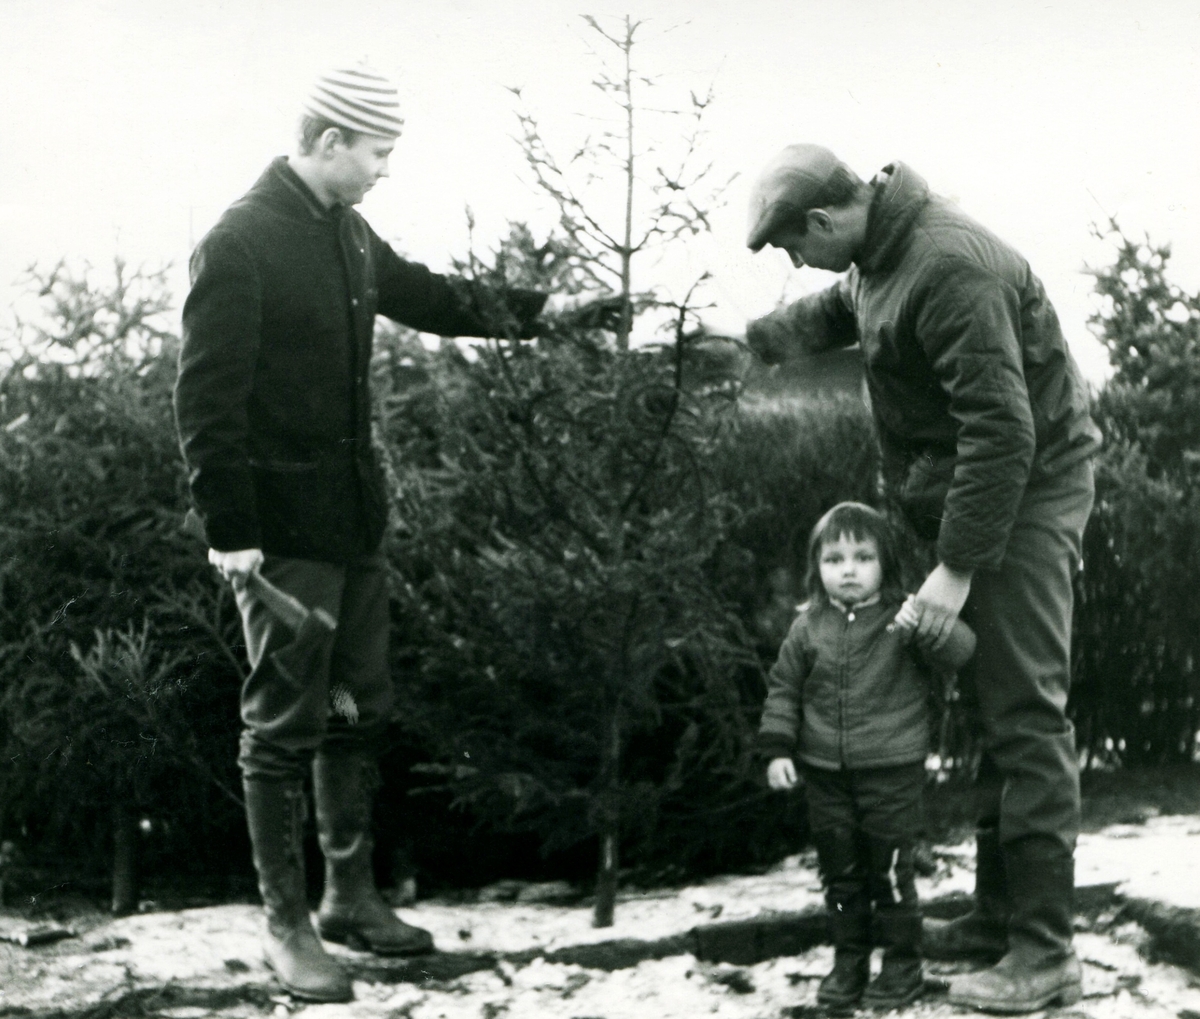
(844, 685)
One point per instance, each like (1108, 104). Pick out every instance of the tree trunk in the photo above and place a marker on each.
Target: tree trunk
(124, 867)
(6, 853)
(606, 881)
(626, 250)
(610, 825)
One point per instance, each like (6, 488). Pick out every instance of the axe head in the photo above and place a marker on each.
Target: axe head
(310, 649)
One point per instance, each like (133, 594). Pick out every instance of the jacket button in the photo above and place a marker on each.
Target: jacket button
(354, 302)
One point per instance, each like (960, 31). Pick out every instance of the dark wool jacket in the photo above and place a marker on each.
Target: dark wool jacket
(847, 693)
(272, 400)
(974, 392)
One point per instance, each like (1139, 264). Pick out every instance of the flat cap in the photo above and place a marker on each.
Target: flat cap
(800, 178)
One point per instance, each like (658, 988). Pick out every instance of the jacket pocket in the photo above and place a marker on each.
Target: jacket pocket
(307, 509)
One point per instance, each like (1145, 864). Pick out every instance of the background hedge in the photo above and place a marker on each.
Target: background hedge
(120, 656)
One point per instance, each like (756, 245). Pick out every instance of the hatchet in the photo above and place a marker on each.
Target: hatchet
(313, 629)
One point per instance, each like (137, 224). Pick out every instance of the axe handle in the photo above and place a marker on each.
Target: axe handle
(288, 610)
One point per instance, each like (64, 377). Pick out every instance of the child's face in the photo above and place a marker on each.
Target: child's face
(850, 569)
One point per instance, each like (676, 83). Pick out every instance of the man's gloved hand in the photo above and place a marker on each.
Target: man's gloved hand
(582, 311)
(768, 339)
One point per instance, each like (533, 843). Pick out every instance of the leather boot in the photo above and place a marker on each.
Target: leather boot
(895, 925)
(1040, 967)
(275, 816)
(900, 979)
(839, 856)
(981, 934)
(352, 911)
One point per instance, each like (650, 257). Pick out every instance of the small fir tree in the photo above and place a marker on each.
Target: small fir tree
(114, 644)
(574, 580)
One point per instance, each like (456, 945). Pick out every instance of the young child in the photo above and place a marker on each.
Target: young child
(848, 699)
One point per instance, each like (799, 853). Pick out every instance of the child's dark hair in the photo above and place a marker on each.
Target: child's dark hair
(860, 522)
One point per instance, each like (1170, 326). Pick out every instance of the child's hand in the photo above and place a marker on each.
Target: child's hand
(781, 773)
(907, 618)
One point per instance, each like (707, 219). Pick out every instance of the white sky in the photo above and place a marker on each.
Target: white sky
(128, 125)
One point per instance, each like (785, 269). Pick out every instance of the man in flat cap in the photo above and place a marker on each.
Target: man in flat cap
(274, 417)
(983, 419)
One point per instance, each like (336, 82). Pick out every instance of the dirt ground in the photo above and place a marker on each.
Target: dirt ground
(1140, 908)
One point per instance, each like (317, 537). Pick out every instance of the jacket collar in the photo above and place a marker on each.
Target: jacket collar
(283, 188)
(900, 195)
(875, 599)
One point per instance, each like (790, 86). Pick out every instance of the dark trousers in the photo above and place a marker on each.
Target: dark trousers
(1016, 686)
(283, 724)
(865, 823)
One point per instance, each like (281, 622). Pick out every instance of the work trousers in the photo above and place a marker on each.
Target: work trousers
(1016, 686)
(285, 723)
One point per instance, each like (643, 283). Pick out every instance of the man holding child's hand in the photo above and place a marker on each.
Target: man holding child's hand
(983, 420)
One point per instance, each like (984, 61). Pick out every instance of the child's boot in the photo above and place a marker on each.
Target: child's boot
(849, 914)
(896, 925)
(900, 979)
(983, 932)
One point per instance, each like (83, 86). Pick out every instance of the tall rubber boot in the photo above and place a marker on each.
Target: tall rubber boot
(895, 925)
(982, 934)
(352, 911)
(848, 909)
(1040, 967)
(275, 816)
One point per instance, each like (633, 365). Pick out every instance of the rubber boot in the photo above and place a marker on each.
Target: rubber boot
(981, 934)
(848, 906)
(895, 925)
(275, 816)
(352, 912)
(1040, 967)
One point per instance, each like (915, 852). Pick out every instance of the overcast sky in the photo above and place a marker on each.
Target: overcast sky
(128, 125)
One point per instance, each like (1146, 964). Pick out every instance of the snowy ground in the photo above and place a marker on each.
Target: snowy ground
(205, 962)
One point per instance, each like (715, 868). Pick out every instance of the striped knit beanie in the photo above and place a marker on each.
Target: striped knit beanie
(359, 99)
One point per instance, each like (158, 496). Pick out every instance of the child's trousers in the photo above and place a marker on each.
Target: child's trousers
(864, 824)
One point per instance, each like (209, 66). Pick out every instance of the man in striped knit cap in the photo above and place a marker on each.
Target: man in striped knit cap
(274, 417)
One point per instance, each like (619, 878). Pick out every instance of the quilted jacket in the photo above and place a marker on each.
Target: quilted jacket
(847, 693)
(272, 400)
(974, 392)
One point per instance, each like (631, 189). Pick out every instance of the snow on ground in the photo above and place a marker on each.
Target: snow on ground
(1158, 860)
(1118, 984)
(791, 886)
(218, 947)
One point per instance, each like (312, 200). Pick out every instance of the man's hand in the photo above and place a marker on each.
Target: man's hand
(236, 566)
(767, 340)
(583, 311)
(781, 773)
(938, 604)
